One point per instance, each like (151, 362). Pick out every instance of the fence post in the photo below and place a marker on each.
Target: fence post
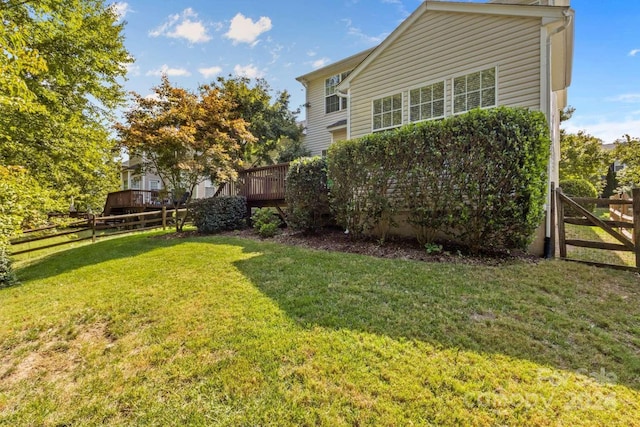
(636, 223)
(164, 217)
(93, 228)
(561, 231)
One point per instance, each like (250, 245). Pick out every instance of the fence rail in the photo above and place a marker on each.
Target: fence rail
(258, 184)
(92, 229)
(623, 225)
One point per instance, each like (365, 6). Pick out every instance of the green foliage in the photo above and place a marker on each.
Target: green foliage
(60, 65)
(217, 214)
(306, 194)
(582, 157)
(480, 177)
(273, 126)
(291, 149)
(7, 274)
(265, 222)
(627, 152)
(579, 188)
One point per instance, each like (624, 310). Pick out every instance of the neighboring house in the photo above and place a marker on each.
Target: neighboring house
(447, 58)
(133, 179)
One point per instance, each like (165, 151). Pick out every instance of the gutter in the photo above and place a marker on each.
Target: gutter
(549, 243)
(347, 96)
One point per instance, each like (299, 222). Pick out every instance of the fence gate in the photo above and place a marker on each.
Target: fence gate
(570, 210)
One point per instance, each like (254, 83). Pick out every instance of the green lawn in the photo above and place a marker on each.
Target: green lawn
(228, 331)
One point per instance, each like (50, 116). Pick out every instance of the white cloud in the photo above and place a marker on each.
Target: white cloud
(311, 53)
(319, 63)
(634, 52)
(244, 30)
(210, 72)
(250, 71)
(121, 9)
(183, 25)
(165, 69)
(133, 70)
(607, 131)
(629, 98)
(367, 39)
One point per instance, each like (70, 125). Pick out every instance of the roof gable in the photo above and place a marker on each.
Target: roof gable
(497, 9)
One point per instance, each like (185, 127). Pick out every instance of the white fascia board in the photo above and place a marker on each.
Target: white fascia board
(335, 67)
(553, 12)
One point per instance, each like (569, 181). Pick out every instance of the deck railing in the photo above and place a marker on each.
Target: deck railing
(259, 184)
(134, 199)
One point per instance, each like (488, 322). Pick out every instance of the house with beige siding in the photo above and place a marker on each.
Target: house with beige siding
(447, 58)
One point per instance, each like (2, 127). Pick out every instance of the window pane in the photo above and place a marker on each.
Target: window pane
(489, 97)
(377, 106)
(332, 103)
(397, 101)
(386, 120)
(489, 78)
(459, 103)
(343, 102)
(414, 97)
(459, 85)
(397, 117)
(386, 104)
(438, 90)
(426, 94)
(473, 82)
(473, 100)
(438, 108)
(414, 114)
(377, 122)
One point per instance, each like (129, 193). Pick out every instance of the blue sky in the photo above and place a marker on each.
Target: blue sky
(194, 41)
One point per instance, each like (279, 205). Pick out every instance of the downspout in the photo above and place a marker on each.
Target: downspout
(548, 244)
(347, 96)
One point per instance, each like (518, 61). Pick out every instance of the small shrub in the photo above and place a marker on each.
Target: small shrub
(579, 187)
(265, 222)
(217, 214)
(7, 275)
(306, 194)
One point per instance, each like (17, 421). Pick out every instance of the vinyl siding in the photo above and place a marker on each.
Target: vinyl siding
(440, 46)
(318, 137)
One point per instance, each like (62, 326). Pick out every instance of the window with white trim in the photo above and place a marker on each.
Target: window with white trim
(474, 90)
(387, 112)
(426, 102)
(332, 101)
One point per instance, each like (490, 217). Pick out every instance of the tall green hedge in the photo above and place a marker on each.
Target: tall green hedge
(216, 214)
(479, 176)
(306, 194)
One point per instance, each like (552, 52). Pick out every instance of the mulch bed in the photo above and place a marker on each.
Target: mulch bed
(395, 248)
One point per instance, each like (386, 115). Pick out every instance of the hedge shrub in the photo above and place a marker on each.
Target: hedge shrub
(265, 222)
(217, 214)
(579, 187)
(479, 176)
(306, 194)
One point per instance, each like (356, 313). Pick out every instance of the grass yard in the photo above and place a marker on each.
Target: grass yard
(231, 332)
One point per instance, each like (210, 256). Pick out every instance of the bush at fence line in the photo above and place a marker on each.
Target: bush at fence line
(7, 275)
(217, 214)
(265, 222)
(579, 187)
(479, 176)
(306, 194)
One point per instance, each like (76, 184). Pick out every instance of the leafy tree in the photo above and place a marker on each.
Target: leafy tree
(582, 157)
(277, 135)
(185, 137)
(627, 152)
(59, 68)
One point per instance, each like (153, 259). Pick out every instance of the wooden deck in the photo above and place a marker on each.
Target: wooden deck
(262, 186)
(132, 201)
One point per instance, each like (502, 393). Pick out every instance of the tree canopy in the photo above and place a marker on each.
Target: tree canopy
(59, 84)
(627, 152)
(185, 137)
(273, 125)
(582, 157)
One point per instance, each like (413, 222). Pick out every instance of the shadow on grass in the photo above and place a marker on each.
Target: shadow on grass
(551, 313)
(90, 254)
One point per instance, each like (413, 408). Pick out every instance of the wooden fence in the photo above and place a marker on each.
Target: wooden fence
(91, 229)
(623, 225)
(266, 183)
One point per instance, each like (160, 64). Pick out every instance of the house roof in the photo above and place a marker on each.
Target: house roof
(338, 124)
(547, 13)
(336, 67)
